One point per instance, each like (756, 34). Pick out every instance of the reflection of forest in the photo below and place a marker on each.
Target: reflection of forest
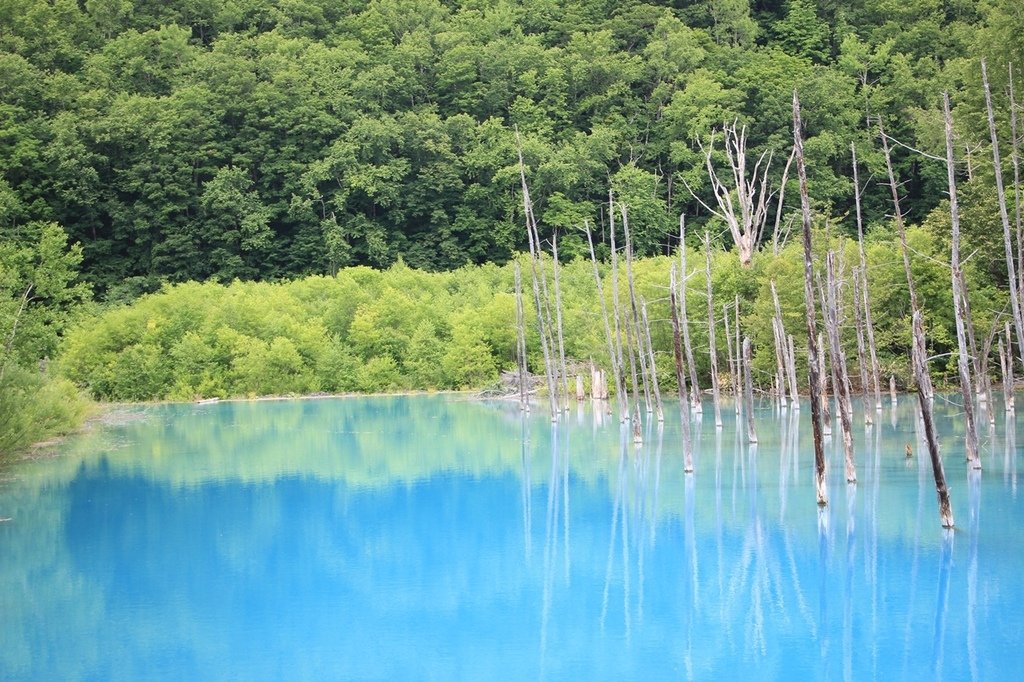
(372, 442)
(335, 528)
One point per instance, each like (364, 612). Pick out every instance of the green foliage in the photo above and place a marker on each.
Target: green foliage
(261, 140)
(34, 407)
(370, 331)
(39, 298)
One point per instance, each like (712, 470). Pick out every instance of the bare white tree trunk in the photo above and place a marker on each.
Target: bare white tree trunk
(534, 257)
(919, 353)
(959, 293)
(712, 348)
(1011, 269)
(650, 361)
(748, 391)
(558, 322)
(729, 357)
(637, 326)
(685, 320)
(739, 353)
(858, 323)
(620, 327)
(838, 361)
(1015, 162)
(616, 367)
(826, 407)
(875, 373)
(520, 338)
(677, 351)
(812, 332)
(782, 351)
(742, 201)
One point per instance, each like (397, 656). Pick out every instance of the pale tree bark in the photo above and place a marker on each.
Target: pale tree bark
(748, 391)
(826, 409)
(685, 320)
(637, 327)
(875, 373)
(655, 389)
(1006, 364)
(677, 352)
(919, 352)
(729, 356)
(743, 198)
(959, 293)
(821, 488)
(534, 257)
(738, 351)
(558, 322)
(616, 314)
(712, 348)
(520, 338)
(781, 345)
(791, 352)
(1015, 162)
(838, 361)
(616, 368)
(858, 323)
(1011, 269)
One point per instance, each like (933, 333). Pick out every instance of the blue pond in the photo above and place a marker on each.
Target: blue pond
(434, 537)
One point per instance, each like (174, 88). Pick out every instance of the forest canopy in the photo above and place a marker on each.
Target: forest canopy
(270, 139)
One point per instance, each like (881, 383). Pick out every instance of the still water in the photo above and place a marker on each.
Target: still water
(440, 538)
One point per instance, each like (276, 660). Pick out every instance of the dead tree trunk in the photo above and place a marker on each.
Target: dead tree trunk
(919, 354)
(924, 398)
(1007, 367)
(959, 293)
(791, 351)
(616, 368)
(875, 374)
(685, 320)
(534, 257)
(1015, 162)
(858, 323)
(638, 330)
(743, 202)
(892, 390)
(729, 357)
(620, 328)
(684, 412)
(739, 355)
(655, 389)
(520, 338)
(712, 348)
(837, 359)
(558, 322)
(1011, 269)
(1008, 376)
(812, 332)
(826, 407)
(748, 390)
(782, 352)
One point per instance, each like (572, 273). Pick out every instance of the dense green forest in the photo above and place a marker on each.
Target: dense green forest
(147, 144)
(369, 331)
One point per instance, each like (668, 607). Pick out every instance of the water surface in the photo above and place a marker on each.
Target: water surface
(440, 538)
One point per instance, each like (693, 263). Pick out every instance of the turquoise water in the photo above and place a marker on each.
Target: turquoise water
(441, 538)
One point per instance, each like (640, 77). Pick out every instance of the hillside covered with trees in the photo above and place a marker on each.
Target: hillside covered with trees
(145, 144)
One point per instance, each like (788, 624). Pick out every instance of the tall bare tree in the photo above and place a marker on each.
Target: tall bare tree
(742, 198)
(1011, 267)
(959, 294)
(919, 349)
(812, 331)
